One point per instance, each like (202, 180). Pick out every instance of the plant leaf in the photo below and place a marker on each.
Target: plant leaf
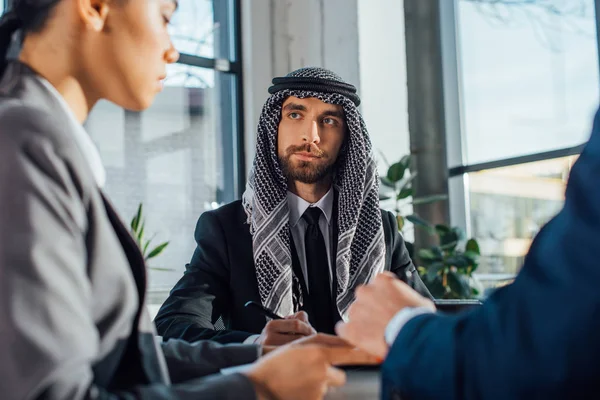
(448, 237)
(473, 246)
(396, 172)
(458, 261)
(430, 199)
(400, 222)
(135, 222)
(459, 285)
(141, 233)
(442, 229)
(157, 250)
(472, 257)
(459, 232)
(386, 182)
(404, 193)
(450, 246)
(438, 252)
(145, 249)
(406, 161)
(436, 287)
(161, 269)
(434, 269)
(428, 255)
(418, 221)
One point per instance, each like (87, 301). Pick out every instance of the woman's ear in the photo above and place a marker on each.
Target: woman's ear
(93, 13)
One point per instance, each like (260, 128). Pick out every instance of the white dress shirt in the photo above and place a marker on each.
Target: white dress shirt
(81, 137)
(400, 319)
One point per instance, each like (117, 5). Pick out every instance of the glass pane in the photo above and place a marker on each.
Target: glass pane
(529, 75)
(177, 158)
(384, 103)
(204, 28)
(509, 206)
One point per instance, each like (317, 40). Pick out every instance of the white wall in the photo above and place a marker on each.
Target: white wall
(279, 36)
(382, 58)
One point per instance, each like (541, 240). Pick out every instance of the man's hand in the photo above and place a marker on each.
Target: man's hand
(282, 331)
(321, 339)
(299, 371)
(374, 307)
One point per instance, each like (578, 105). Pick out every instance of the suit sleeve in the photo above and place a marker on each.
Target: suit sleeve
(187, 361)
(202, 295)
(401, 263)
(537, 338)
(49, 338)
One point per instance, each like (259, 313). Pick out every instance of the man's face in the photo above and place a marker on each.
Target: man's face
(309, 139)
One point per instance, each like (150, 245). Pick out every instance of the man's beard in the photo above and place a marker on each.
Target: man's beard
(306, 171)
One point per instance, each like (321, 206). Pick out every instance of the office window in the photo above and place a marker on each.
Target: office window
(529, 89)
(180, 157)
(529, 76)
(204, 28)
(508, 207)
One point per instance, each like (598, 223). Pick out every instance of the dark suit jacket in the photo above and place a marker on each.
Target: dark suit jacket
(208, 301)
(538, 338)
(73, 320)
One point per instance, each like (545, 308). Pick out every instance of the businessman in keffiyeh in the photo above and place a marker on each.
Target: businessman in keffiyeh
(307, 232)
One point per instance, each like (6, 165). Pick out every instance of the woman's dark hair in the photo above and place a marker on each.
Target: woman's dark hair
(24, 15)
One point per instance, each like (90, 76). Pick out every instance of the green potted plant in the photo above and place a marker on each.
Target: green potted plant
(397, 185)
(138, 225)
(447, 268)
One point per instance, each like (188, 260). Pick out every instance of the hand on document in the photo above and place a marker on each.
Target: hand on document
(282, 331)
(375, 305)
(305, 369)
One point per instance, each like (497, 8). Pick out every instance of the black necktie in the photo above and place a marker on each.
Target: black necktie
(317, 268)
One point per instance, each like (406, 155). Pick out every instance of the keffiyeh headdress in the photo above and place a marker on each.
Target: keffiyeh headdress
(361, 248)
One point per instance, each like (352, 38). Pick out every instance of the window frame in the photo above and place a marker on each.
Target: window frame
(234, 162)
(458, 168)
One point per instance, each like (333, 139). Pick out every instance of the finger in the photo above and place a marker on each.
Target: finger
(355, 334)
(335, 377)
(341, 330)
(292, 326)
(300, 315)
(388, 275)
(329, 340)
(347, 332)
(366, 300)
(346, 356)
(280, 339)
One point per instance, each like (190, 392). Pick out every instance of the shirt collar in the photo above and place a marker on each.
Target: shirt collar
(83, 140)
(298, 206)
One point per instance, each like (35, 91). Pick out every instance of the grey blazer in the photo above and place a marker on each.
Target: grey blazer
(73, 324)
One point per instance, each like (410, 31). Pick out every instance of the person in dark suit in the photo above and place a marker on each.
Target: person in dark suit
(538, 338)
(73, 318)
(307, 231)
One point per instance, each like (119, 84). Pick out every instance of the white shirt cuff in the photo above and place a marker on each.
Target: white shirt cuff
(251, 339)
(400, 319)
